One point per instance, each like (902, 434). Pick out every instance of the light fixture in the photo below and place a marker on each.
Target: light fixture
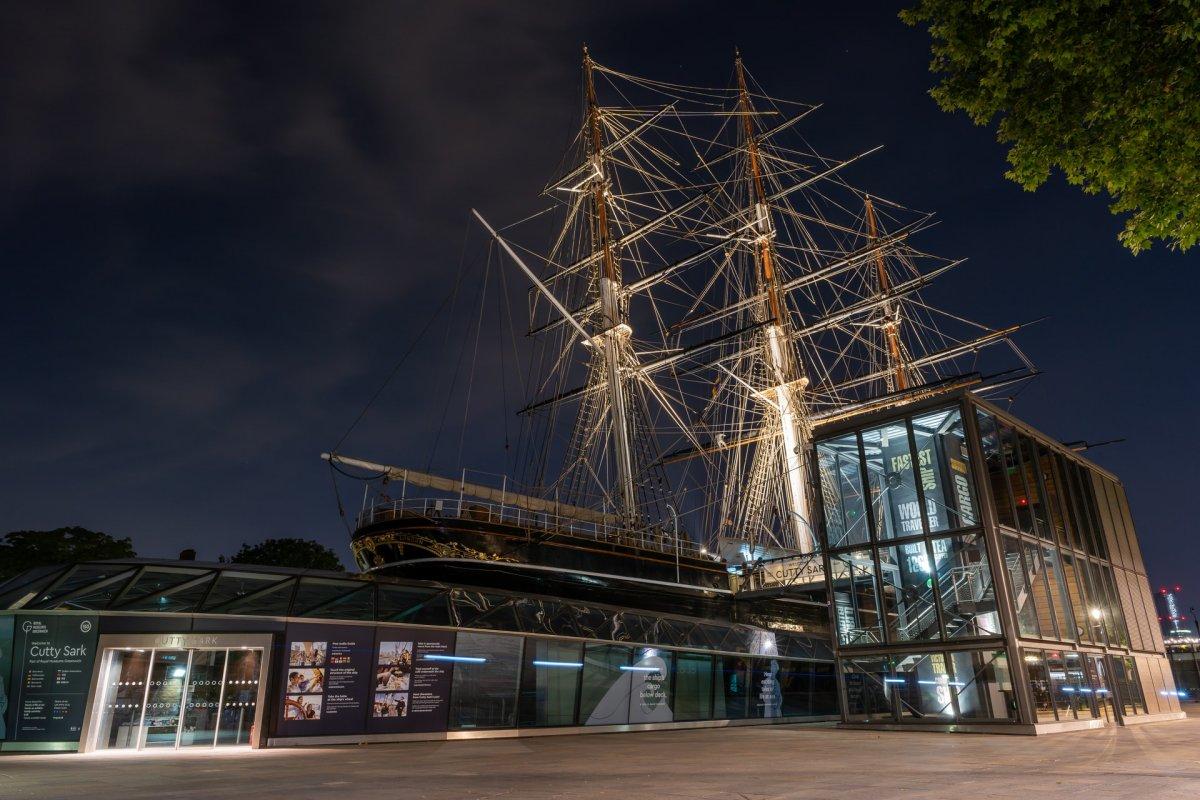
(1096, 613)
(466, 659)
(568, 664)
(638, 669)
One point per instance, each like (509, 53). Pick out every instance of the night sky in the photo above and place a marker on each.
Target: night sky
(221, 225)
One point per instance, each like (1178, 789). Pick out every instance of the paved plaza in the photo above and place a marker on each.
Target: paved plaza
(754, 763)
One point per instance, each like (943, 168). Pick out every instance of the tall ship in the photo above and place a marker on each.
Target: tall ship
(708, 289)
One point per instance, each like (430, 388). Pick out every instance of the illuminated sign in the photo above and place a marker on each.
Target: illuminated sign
(800, 571)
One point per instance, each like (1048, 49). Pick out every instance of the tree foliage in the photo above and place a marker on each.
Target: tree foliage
(287, 552)
(22, 550)
(1107, 91)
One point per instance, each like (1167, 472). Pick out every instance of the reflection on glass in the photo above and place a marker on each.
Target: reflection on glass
(1102, 696)
(1020, 587)
(1070, 516)
(1046, 470)
(733, 689)
(167, 671)
(965, 586)
(1087, 509)
(868, 689)
(1041, 590)
(1098, 614)
(484, 692)
(1116, 618)
(943, 466)
(1059, 593)
(856, 606)
(239, 707)
(1078, 686)
(1029, 468)
(983, 685)
(1125, 676)
(693, 686)
(121, 707)
(925, 687)
(908, 599)
(998, 467)
(1016, 476)
(893, 488)
(842, 492)
(1064, 687)
(202, 699)
(1078, 600)
(605, 694)
(1039, 683)
(550, 682)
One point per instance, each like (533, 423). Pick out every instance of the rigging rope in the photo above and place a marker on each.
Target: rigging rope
(412, 346)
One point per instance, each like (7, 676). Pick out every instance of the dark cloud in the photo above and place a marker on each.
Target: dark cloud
(221, 223)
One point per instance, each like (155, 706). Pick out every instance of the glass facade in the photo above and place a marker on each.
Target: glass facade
(502, 681)
(950, 523)
(918, 569)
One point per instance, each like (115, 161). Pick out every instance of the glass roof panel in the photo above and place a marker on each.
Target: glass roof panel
(181, 597)
(323, 597)
(232, 585)
(81, 577)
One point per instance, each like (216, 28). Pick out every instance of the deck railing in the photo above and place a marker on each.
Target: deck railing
(650, 538)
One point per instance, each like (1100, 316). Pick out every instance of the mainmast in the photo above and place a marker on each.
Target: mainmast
(898, 370)
(615, 331)
(783, 367)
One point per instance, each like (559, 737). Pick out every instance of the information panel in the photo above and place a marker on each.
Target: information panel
(411, 690)
(6, 640)
(326, 677)
(52, 670)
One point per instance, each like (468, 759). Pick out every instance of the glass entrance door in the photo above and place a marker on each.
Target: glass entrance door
(168, 671)
(173, 698)
(202, 703)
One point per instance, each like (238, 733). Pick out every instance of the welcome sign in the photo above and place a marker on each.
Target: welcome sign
(52, 668)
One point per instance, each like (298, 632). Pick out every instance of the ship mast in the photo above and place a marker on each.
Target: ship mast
(898, 370)
(783, 367)
(615, 331)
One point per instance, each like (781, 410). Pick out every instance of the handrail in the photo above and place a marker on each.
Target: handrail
(659, 540)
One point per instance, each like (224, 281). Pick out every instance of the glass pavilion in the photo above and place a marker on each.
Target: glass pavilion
(982, 573)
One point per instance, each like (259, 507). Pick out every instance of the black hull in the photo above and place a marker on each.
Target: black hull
(475, 553)
(410, 538)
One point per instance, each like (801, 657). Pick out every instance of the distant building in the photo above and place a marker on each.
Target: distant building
(1182, 640)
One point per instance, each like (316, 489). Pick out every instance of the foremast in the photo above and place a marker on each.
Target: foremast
(613, 339)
